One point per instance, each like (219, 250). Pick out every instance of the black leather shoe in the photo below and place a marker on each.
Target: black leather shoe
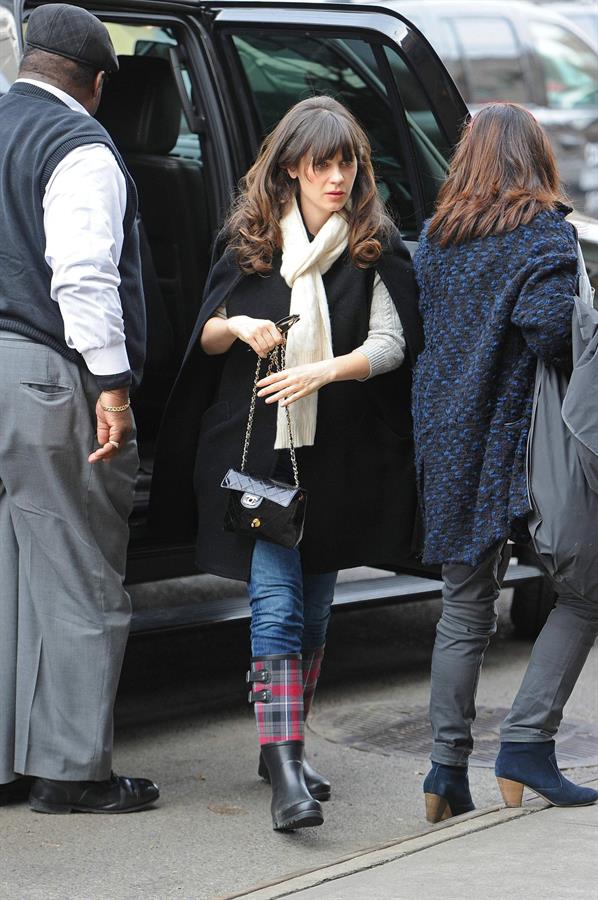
(292, 804)
(16, 791)
(117, 795)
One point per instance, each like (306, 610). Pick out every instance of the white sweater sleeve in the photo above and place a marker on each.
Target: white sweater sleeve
(384, 346)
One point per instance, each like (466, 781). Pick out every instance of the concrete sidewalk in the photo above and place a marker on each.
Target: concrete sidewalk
(537, 853)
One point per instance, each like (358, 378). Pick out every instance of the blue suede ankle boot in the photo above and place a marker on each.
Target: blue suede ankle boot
(534, 765)
(446, 790)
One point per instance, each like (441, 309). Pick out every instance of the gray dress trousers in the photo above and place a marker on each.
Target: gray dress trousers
(64, 614)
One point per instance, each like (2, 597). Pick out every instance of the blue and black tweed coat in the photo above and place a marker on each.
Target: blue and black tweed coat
(490, 307)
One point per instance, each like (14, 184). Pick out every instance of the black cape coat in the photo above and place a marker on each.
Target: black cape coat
(359, 476)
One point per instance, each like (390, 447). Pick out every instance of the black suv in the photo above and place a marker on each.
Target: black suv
(200, 84)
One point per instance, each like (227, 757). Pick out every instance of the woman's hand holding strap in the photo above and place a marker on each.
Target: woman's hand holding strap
(262, 335)
(219, 334)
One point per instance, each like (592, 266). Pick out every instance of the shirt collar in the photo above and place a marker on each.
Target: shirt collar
(62, 95)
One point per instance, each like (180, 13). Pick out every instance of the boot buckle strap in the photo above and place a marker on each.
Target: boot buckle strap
(263, 696)
(260, 676)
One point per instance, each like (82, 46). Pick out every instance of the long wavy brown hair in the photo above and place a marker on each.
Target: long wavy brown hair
(503, 173)
(316, 129)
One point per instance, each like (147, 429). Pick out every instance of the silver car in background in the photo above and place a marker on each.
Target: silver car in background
(583, 15)
(528, 54)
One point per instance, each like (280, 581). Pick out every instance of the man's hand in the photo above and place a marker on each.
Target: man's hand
(113, 427)
(292, 384)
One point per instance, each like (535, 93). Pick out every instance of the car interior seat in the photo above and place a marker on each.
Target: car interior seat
(141, 110)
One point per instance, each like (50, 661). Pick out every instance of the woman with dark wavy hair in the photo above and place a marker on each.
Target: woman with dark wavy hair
(496, 268)
(308, 235)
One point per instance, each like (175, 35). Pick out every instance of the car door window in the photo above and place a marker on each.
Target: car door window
(492, 58)
(282, 68)
(569, 65)
(152, 40)
(431, 146)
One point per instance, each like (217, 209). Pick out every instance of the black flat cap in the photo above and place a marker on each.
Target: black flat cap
(71, 32)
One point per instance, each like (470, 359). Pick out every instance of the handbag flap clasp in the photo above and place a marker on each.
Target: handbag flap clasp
(264, 488)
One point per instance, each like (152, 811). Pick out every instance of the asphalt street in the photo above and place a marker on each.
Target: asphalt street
(182, 719)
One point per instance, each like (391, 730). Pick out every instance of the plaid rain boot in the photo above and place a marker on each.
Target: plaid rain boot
(317, 785)
(277, 692)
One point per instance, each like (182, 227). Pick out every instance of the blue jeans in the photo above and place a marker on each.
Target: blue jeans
(290, 609)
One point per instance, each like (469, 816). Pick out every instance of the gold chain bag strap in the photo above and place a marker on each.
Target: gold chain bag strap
(262, 507)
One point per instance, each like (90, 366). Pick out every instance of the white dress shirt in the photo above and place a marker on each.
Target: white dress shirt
(84, 208)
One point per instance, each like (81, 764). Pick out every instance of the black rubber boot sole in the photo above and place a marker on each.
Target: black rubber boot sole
(298, 817)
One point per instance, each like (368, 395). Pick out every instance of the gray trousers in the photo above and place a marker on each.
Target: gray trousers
(467, 623)
(64, 614)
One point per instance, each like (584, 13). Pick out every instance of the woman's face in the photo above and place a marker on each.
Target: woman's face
(325, 188)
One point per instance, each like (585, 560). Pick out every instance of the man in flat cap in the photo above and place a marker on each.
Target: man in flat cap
(72, 344)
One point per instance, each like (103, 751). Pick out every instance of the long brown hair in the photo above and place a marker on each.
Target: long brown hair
(503, 174)
(317, 128)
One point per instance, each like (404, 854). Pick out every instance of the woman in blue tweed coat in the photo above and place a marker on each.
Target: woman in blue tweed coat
(496, 268)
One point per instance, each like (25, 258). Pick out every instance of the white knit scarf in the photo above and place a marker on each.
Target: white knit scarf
(310, 340)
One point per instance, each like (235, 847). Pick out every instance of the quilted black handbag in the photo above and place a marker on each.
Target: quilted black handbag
(262, 507)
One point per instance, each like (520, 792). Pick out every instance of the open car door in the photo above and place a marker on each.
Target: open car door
(372, 60)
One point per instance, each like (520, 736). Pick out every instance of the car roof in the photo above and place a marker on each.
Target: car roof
(380, 6)
(587, 8)
(426, 11)
(369, 6)
(366, 5)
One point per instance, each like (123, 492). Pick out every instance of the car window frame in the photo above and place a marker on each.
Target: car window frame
(233, 21)
(193, 41)
(402, 132)
(441, 92)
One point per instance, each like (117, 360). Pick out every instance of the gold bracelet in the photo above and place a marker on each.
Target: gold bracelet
(116, 408)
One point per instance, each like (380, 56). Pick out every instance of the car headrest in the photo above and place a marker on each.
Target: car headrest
(140, 106)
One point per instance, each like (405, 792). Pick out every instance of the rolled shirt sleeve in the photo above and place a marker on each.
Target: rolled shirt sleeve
(84, 208)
